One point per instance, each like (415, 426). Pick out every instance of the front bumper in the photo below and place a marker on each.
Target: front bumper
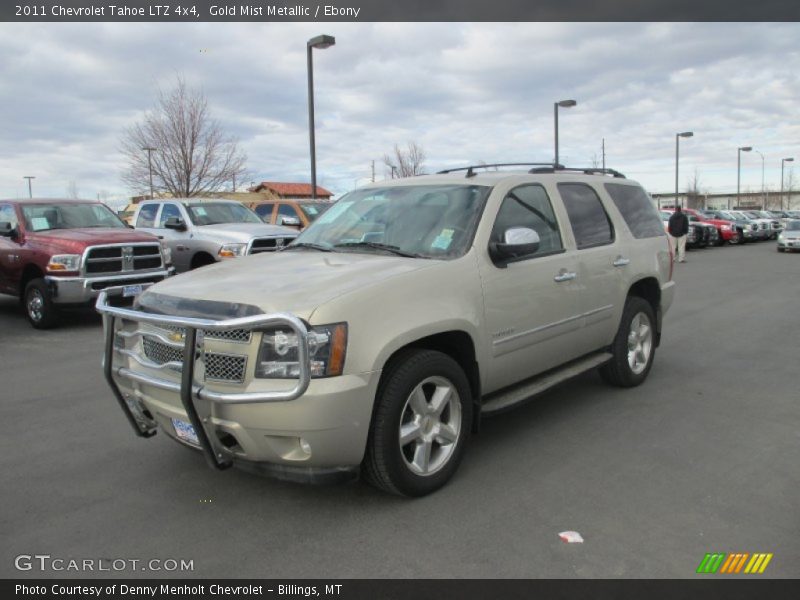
(316, 427)
(82, 290)
(792, 244)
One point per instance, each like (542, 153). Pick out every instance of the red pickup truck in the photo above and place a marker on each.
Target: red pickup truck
(61, 253)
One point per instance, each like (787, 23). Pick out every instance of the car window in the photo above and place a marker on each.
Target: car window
(264, 211)
(169, 210)
(637, 209)
(529, 206)
(590, 223)
(287, 210)
(147, 215)
(8, 215)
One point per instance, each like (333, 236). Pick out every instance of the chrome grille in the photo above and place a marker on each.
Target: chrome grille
(268, 244)
(225, 367)
(241, 336)
(123, 258)
(159, 352)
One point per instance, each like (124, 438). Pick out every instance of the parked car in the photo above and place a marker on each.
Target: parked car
(789, 238)
(127, 214)
(298, 214)
(202, 231)
(763, 227)
(726, 228)
(747, 228)
(409, 310)
(774, 224)
(57, 254)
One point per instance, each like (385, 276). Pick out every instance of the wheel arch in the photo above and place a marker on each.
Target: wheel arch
(649, 290)
(30, 272)
(458, 345)
(201, 258)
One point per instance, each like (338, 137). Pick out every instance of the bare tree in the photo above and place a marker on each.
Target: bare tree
(408, 162)
(192, 154)
(596, 161)
(694, 192)
(72, 190)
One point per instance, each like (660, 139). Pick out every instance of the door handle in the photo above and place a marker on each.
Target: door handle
(564, 275)
(621, 262)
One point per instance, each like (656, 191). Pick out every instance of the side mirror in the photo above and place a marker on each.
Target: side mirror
(517, 241)
(175, 223)
(7, 230)
(289, 221)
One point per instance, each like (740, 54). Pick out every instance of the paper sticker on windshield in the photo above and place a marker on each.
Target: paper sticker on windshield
(39, 223)
(200, 211)
(443, 240)
(334, 211)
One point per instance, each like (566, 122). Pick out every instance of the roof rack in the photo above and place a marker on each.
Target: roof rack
(584, 170)
(536, 168)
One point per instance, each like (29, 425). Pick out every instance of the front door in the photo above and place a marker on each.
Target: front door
(532, 306)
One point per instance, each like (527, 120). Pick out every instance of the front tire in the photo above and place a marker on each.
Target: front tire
(38, 304)
(422, 420)
(634, 346)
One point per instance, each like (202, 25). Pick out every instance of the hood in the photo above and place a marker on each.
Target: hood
(297, 281)
(77, 240)
(244, 232)
(791, 233)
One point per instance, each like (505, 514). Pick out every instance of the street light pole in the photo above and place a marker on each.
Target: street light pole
(321, 42)
(150, 151)
(739, 171)
(784, 161)
(30, 190)
(562, 104)
(763, 199)
(678, 136)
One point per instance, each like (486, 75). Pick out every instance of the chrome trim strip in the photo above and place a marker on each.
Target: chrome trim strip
(516, 336)
(141, 332)
(598, 310)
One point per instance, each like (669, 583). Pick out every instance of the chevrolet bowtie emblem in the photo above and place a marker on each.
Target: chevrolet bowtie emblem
(176, 336)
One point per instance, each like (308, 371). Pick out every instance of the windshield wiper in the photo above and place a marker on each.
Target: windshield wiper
(319, 247)
(378, 246)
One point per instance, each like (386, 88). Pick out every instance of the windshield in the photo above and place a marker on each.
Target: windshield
(427, 221)
(793, 226)
(214, 213)
(313, 210)
(68, 215)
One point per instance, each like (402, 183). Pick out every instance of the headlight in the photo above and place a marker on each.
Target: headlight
(725, 228)
(277, 358)
(780, 237)
(232, 250)
(166, 252)
(64, 262)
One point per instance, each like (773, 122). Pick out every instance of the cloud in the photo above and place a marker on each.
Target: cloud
(465, 91)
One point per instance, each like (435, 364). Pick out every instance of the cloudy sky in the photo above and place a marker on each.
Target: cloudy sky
(464, 92)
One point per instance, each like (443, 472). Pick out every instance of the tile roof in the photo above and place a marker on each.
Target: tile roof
(290, 190)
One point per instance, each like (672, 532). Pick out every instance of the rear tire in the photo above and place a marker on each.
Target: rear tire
(634, 346)
(421, 424)
(38, 304)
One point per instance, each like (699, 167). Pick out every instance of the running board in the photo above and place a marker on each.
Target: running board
(524, 391)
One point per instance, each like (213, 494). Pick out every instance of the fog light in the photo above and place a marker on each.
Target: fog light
(305, 446)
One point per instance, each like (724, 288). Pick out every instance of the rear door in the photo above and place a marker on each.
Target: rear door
(600, 263)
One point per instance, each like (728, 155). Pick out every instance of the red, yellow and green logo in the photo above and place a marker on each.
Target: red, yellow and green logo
(721, 562)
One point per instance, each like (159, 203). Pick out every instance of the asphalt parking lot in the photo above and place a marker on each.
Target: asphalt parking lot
(701, 458)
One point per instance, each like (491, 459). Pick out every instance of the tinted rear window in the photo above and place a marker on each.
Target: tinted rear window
(588, 218)
(637, 209)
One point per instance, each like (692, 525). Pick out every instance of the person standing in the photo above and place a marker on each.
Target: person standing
(678, 226)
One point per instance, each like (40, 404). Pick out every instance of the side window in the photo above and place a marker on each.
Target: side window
(287, 210)
(590, 223)
(147, 215)
(169, 210)
(637, 209)
(264, 211)
(529, 206)
(8, 215)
